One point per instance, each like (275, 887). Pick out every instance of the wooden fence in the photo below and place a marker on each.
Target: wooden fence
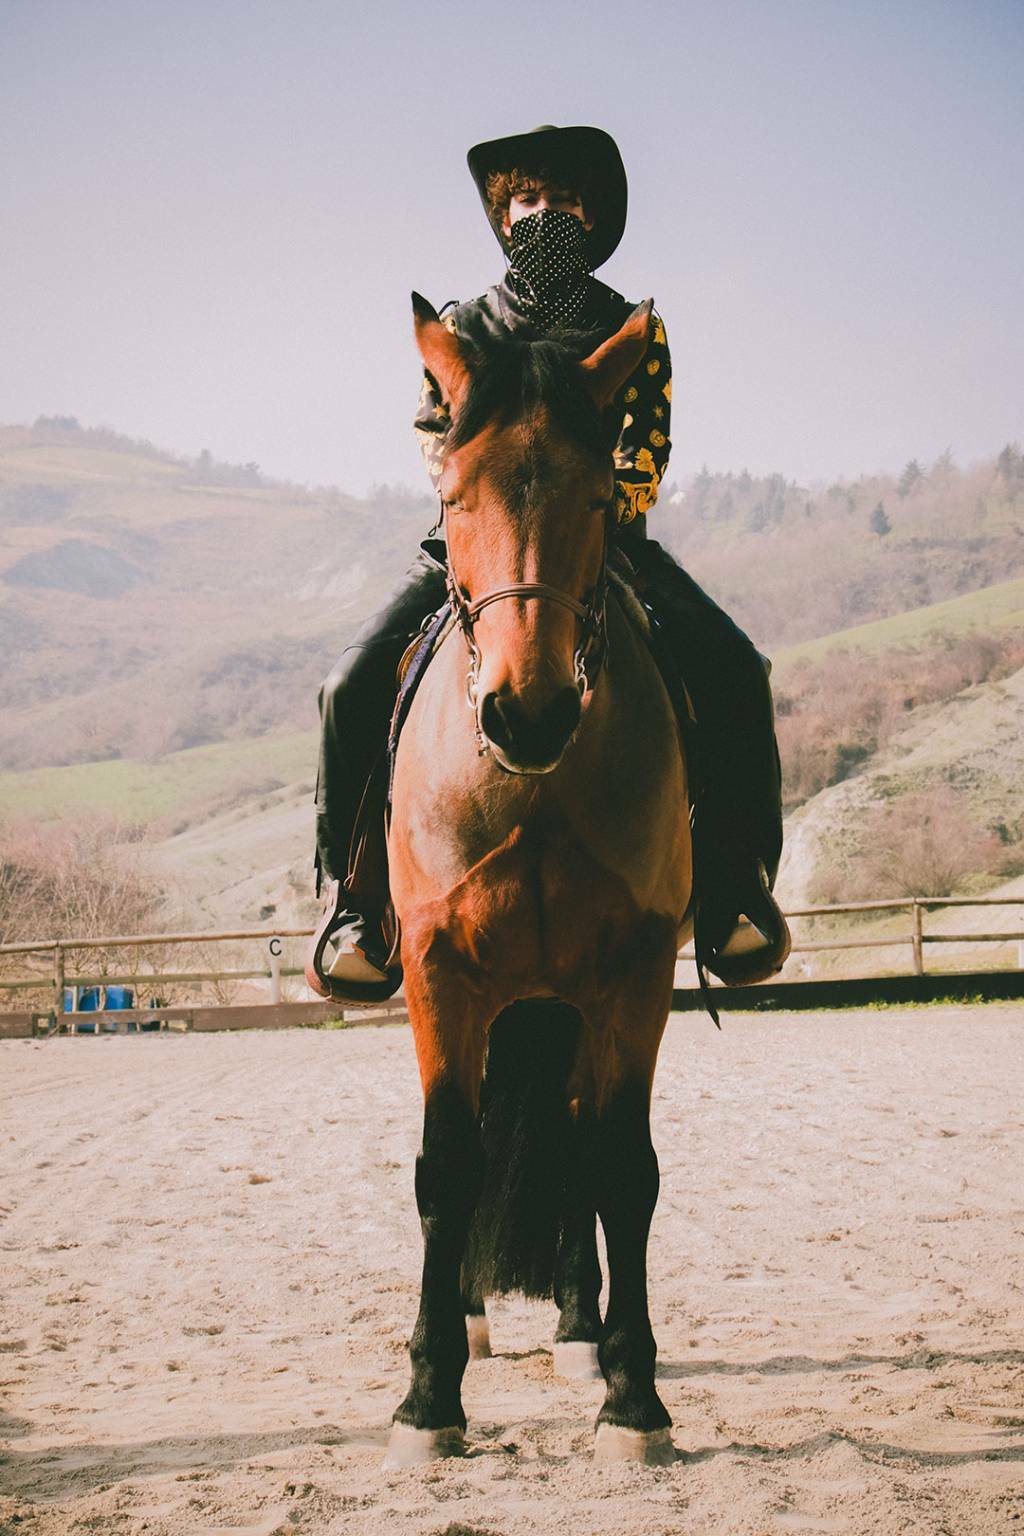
(57, 977)
(61, 978)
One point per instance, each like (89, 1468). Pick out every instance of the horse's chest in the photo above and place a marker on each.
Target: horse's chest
(609, 824)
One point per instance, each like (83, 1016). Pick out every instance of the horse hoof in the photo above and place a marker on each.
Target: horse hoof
(576, 1360)
(410, 1447)
(652, 1447)
(479, 1336)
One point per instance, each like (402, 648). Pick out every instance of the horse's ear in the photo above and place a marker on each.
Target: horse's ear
(607, 369)
(441, 350)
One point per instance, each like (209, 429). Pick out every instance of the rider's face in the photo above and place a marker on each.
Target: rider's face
(544, 195)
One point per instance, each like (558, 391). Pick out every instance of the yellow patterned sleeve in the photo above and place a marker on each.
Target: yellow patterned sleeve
(641, 454)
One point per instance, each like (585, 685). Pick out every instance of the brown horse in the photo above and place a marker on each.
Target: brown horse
(541, 873)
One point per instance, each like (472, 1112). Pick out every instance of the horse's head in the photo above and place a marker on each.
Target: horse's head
(527, 487)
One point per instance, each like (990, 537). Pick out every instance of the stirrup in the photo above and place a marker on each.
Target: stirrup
(760, 942)
(344, 989)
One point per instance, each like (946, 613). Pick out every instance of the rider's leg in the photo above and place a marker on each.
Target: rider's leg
(356, 702)
(739, 824)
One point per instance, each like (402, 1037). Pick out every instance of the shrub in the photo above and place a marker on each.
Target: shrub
(88, 877)
(834, 714)
(926, 843)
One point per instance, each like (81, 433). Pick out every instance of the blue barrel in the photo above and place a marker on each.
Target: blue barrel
(88, 1002)
(120, 997)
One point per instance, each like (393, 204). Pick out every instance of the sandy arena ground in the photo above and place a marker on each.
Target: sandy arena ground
(209, 1267)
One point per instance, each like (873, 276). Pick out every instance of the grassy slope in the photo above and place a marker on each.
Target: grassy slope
(987, 609)
(169, 790)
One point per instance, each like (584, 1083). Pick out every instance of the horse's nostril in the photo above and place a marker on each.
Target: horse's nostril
(562, 714)
(531, 740)
(492, 721)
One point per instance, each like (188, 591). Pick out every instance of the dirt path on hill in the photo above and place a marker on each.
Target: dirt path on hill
(209, 1267)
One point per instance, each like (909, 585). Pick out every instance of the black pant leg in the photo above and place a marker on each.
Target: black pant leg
(728, 682)
(356, 701)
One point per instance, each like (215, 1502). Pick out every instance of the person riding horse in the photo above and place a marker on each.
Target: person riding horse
(556, 200)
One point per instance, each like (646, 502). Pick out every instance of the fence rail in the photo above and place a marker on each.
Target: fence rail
(58, 977)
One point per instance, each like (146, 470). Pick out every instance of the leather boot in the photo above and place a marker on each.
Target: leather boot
(358, 970)
(348, 956)
(741, 934)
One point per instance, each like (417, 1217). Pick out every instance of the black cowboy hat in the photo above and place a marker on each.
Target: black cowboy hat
(589, 153)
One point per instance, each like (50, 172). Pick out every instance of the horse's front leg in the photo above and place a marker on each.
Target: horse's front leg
(633, 1422)
(578, 1270)
(450, 1041)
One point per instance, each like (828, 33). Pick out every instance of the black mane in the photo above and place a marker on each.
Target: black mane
(511, 378)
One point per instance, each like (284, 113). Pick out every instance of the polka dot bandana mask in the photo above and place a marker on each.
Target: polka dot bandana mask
(548, 269)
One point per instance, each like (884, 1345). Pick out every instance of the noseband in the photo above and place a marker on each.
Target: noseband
(592, 615)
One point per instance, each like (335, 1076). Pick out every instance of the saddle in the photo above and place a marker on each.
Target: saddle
(367, 878)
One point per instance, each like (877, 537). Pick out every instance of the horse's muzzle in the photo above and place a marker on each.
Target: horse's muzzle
(524, 742)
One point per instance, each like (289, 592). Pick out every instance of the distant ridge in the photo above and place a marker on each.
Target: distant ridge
(155, 602)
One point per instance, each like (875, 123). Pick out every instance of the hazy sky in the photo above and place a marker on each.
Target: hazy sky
(212, 213)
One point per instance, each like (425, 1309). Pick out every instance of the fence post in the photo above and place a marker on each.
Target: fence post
(58, 984)
(918, 938)
(274, 946)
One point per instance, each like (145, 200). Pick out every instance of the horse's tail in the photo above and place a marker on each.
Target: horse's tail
(524, 1121)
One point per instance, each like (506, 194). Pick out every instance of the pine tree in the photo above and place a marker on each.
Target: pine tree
(880, 523)
(701, 489)
(910, 477)
(1010, 464)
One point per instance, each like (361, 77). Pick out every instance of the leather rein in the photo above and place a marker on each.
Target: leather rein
(590, 650)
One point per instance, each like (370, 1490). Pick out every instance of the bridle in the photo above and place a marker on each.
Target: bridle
(592, 615)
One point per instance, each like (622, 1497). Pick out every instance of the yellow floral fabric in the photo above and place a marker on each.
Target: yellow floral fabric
(644, 445)
(641, 454)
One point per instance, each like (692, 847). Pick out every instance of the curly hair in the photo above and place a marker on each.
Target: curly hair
(503, 186)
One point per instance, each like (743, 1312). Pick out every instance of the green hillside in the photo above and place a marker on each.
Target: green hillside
(167, 792)
(991, 608)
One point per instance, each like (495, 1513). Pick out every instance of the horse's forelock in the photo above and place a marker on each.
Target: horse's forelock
(512, 379)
